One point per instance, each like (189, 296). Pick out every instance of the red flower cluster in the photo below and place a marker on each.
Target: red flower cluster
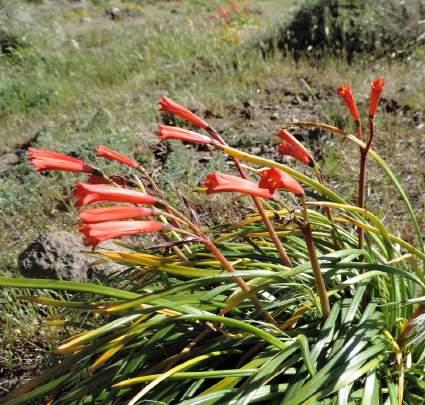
(271, 180)
(376, 90)
(99, 224)
(233, 9)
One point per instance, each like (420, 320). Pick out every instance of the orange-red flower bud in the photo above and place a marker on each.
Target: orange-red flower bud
(347, 95)
(103, 151)
(95, 193)
(116, 213)
(45, 160)
(166, 132)
(171, 107)
(275, 179)
(220, 183)
(292, 147)
(377, 87)
(97, 233)
(285, 149)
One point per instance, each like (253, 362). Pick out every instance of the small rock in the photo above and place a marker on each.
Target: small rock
(54, 255)
(58, 255)
(196, 107)
(6, 161)
(9, 42)
(113, 13)
(274, 116)
(75, 44)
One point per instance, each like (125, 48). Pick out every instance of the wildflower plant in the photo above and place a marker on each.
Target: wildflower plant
(308, 299)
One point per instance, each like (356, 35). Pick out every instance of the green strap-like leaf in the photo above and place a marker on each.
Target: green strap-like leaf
(96, 289)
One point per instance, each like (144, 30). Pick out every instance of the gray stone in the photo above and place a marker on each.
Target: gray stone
(113, 12)
(7, 161)
(58, 255)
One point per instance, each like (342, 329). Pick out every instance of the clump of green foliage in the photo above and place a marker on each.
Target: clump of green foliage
(350, 27)
(173, 327)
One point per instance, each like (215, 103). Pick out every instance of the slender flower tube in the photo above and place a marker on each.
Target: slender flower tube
(221, 183)
(299, 151)
(166, 132)
(346, 93)
(45, 160)
(171, 107)
(275, 179)
(377, 87)
(103, 151)
(95, 193)
(285, 149)
(97, 233)
(117, 213)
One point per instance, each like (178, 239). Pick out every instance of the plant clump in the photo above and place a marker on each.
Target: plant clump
(309, 298)
(350, 27)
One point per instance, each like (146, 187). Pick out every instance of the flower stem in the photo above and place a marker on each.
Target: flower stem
(245, 287)
(272, 232)
(259, 205)
(362, 176)
(220, 257)
(320, 283)
(179, 216)
(407, 329)
(334, 231)
(174, 220)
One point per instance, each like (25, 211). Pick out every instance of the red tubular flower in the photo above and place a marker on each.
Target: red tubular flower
(95, 193)
(286, 149)
(171, 107)
(275, 179)
(296, 149)
(97, 233)
(377, 87)
(220, 183)
(45, 160)
(166, 132)
(346, 93)
(117, 213)
(103, 151)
